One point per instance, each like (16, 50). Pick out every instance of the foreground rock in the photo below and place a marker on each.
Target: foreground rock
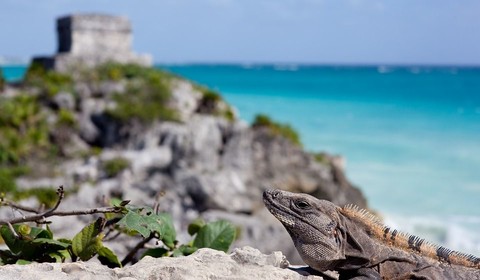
(244, 263)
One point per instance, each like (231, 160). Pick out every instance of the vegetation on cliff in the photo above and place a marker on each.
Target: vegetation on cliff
(24, 138)
(35, 127)
(147, 95)
(210, 104)
(28, 138)
(278, 129)
(41, 128)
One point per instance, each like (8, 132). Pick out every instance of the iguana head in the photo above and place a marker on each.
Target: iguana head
(313, 225)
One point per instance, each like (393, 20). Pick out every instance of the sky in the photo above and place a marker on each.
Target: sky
(266, 31)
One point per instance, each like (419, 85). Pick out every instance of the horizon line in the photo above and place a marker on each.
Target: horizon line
(329, 64)
(294, 64)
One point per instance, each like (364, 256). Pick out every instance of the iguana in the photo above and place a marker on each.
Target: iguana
(357, 245)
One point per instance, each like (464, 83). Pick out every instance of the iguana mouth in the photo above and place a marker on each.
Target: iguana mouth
(277, 209)
(280, 211)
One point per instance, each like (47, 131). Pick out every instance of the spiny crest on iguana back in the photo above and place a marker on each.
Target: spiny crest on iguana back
(405, 241)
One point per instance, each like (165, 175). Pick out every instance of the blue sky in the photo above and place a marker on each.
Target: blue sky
(255, 31)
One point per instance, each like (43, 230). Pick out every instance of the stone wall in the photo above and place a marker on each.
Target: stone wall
(92, 39)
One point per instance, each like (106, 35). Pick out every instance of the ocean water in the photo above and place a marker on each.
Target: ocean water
(13, 73)
(410, 135)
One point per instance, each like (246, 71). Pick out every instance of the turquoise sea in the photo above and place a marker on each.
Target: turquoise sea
(410, 134)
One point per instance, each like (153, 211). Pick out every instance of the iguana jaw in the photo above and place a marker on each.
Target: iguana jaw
(278, 210)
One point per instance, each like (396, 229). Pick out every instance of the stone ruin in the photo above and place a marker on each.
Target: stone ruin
(92, 39)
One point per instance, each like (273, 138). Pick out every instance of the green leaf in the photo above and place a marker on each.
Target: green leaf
(14, 244)
(195, 226)
(88, 241)
(58, 256)
(53, 243)
(184, 250)
(65, 240)
(7, 257)
(37, 232)
(114, 201)
(107, 257)
(156, 252)
(23, 262)
(163, 225)
(134, 221)
(35, 244)
(217, 235)
(187, 250)
(17, 245)
(145, 222)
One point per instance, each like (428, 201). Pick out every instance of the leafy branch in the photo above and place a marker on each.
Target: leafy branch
(36, 244)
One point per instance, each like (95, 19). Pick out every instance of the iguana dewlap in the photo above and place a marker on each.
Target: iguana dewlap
(356, 245)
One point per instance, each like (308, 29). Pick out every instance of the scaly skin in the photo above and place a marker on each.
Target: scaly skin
(356, 245)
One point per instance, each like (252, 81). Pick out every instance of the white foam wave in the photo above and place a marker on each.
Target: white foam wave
(458, 233)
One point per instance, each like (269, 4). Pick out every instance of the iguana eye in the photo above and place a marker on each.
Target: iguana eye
(302, 204)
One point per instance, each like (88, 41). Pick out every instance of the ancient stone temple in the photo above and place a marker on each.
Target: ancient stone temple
(92, 39)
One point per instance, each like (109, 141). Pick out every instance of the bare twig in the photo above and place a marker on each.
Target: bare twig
(10, 227)
(61, 195)
(106, 238)
(6, 202)
(40, 217)
(130, 256)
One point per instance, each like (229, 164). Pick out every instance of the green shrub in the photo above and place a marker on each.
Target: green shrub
(49, 82)
(7, 181)
(211, 96)
(229, 114)
(145, 100)
(34, 71)
(28, 244)
(147, 95)
(114, 166)
(66, 118)
(284, 130)
(112, 71)
(209, 104)
(24, 136)
(44, 195)
(55, 82)
(321, 157)
(262, 120)
(23, 128)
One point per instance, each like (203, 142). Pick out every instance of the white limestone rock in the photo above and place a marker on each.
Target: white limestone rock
(244, 263)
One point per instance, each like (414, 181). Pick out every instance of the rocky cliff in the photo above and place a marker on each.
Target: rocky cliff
(108, 131)
(129, 132)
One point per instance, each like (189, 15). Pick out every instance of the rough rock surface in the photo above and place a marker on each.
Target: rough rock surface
(243, 263)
